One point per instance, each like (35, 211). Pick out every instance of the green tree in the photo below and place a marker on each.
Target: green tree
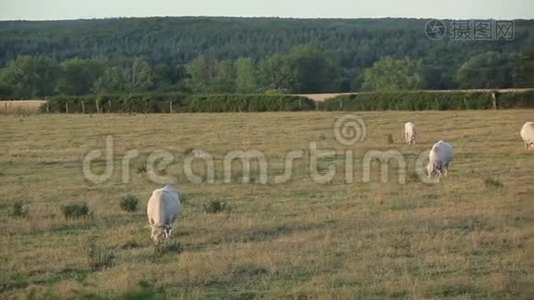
(276, 73)
(79, 76)
(207, 75)
(389, 74)
(112, 80)
(524, 67)
(224, 81)
(487, 70)
(354, 44)
(140, 76)
(246, 79)
(314, 70)
(201, 72)
(30, 76)
(169, 77)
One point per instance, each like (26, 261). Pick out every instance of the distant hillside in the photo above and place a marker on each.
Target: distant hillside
(353, 44)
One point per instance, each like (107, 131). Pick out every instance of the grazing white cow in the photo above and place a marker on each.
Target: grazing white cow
(409, 133)
(439, 158)
(162, 210)
(527, 133)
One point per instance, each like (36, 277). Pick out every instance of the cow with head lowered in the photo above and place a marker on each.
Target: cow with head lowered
(439, 158)
(162, 210)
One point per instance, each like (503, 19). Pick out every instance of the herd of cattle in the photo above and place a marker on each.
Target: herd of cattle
(164, 204)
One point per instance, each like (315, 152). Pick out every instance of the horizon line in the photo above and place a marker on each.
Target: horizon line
(259, 17)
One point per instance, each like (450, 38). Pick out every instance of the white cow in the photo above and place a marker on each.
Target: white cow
(162, 210)
(527, 133)
(439, 158)
(409, 133)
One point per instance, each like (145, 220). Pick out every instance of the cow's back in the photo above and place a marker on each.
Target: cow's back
(163, 206)
(441, 151)
(527, 131)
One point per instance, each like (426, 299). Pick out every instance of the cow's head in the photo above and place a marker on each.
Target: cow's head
(433, 167)
(160, 232)
(167, 229)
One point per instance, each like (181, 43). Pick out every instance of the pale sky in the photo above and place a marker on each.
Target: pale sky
(89, 9)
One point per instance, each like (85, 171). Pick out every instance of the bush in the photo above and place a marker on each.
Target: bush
(215, 206)
(400, 100)
(516, 100)
(427, 100)
(97, 258)
(249, 103)
(75, 211)
(118, 103)
(416, 100)
(129, 203)
(161, 103)
(18, 210)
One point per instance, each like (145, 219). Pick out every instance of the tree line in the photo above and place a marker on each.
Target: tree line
(244, 55)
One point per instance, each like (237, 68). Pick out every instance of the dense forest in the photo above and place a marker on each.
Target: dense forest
(252, 55)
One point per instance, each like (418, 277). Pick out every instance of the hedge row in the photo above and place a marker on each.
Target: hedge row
(517, 100)
(164, 103)
(427, 100)
(238, 103)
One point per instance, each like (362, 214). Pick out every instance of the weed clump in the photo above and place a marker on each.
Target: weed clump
(215, 206)
(129, 203)
(98, 258)
(76, 211)
(18, 210)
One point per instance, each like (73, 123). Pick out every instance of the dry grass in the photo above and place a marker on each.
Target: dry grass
(20, 106)
(459, 239)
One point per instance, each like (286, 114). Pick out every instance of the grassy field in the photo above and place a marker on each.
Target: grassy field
(463, 238)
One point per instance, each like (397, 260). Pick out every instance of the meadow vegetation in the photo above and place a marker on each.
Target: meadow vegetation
(466, 237)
